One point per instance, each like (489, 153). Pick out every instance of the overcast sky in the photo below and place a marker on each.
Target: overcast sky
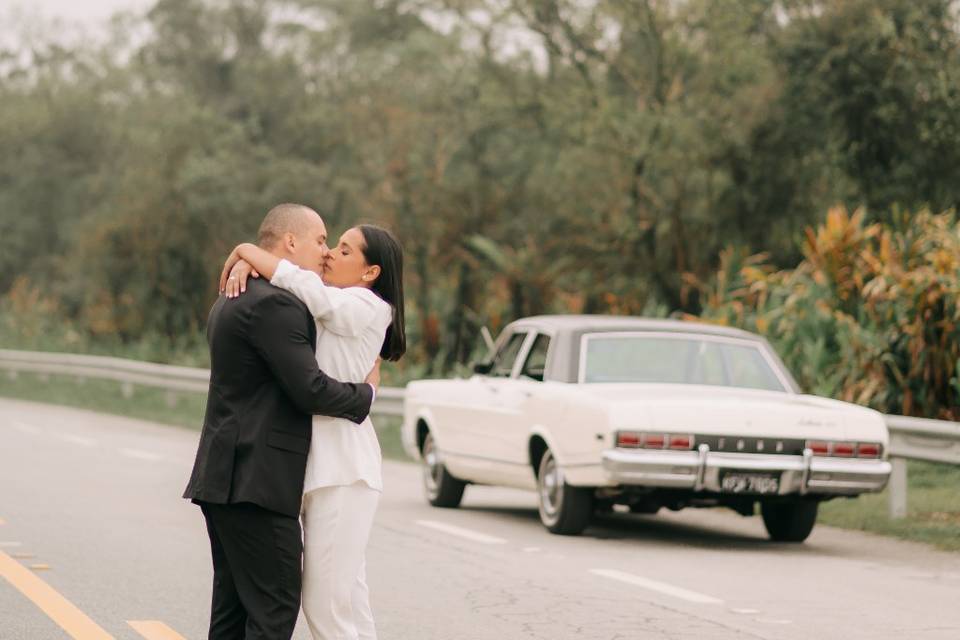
(17, 17)
(85, 11)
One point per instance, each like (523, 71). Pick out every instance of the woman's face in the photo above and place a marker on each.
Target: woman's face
(346, 266)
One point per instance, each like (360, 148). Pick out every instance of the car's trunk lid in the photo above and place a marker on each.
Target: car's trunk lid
(731, 411)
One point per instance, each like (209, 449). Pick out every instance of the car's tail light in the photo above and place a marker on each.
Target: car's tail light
(819, 448)
(654, 440)
(628, 440)
(868, 450)
(838, 449)
(644, 440)
(843, 449)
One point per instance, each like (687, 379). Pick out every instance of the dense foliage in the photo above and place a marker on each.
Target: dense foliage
(870, 315)
(532, 155)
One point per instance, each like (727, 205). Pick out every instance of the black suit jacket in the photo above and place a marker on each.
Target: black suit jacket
(264, 387)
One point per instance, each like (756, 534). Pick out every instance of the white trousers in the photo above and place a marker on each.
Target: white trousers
(336, 527)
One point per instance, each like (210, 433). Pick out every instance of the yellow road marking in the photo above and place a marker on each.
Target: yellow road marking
(154, 630)
(40, 567)
(59, 609)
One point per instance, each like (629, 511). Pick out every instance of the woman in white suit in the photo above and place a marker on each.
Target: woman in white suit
(358, 306)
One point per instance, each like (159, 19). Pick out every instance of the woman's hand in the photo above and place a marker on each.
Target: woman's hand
(232, 260)
(236, 281)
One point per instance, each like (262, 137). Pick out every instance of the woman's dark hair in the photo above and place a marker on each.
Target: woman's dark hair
(383, 250)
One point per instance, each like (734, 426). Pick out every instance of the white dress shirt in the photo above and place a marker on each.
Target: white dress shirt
(351, 325)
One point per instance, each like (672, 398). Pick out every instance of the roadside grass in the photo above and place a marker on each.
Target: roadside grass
(933, 508)
(933, 493)
(104, 395)
(147, 403)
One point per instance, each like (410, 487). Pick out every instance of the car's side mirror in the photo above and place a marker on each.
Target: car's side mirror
(482, 368)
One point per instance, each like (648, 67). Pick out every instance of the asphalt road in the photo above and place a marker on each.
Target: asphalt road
(89, 505)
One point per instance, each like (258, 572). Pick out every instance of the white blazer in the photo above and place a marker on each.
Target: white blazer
(351, 325)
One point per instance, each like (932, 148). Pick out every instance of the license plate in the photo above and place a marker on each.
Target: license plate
(740, 482)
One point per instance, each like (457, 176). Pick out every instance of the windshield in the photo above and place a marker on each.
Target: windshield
(677, 359)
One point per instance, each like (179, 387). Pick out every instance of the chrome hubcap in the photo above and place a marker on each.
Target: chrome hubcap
(551, 487)
(431, 467)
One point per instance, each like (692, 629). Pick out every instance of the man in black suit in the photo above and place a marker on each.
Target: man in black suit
(248, 476)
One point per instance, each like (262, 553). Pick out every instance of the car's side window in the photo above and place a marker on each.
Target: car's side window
(507, 355)
(536, 362)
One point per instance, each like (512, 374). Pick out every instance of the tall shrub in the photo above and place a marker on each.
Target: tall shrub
(870, 315)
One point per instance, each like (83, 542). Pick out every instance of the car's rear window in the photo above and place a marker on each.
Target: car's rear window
(677, 359)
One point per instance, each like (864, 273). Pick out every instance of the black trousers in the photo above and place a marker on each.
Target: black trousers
(256, 572)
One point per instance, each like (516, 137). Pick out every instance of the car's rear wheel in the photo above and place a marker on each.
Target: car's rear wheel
(789, 521)
(564, 509)
(441, 488)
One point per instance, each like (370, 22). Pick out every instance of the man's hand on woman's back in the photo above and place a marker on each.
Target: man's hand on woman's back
(373, 378)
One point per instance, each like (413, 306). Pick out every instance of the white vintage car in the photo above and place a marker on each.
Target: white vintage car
(597, 411)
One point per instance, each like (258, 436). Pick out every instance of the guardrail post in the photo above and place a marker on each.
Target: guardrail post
(126, 389)
(12, 374)
(171, 400)
(898, 488)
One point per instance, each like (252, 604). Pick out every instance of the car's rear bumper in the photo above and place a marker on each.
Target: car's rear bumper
(701, 471)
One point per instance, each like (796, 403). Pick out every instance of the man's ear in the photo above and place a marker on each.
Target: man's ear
(289, 242)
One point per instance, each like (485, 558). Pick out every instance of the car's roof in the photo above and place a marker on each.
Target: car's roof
(588, 323)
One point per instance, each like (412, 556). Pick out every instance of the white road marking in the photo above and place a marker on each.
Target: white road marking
(141, 455)
(774, 621)
(24, 427)
(11, 544)
(463, 533)
(925, 576)
(531, 549)
(745, 611)
(653, 585)
(83, 442)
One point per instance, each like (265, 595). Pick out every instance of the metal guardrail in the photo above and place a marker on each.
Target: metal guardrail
(910, 438)
(126, 372)
(130, 373)
(917, 439)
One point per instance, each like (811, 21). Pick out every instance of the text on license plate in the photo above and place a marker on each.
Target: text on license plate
(735, 482)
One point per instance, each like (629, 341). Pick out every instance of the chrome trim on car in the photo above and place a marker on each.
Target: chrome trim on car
(470, 456)
(700, 471)
(702, 452)
(807, 465)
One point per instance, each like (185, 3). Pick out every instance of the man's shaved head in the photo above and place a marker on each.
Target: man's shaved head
(285, 218)
(296, 233)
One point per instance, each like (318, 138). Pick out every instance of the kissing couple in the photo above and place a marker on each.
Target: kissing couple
(294, 369)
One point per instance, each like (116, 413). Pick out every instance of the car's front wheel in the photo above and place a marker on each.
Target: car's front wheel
(564, 509)
(441, 488)
(789, 521)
